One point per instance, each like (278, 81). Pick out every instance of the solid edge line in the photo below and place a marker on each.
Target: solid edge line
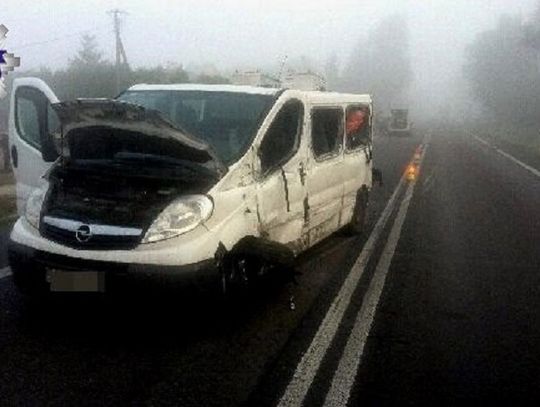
(309, 364)
(346, 373)
(5, 272)
(527, 167)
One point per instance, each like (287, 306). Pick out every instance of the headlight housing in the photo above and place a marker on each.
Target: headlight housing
(181, 216)
(34, 204)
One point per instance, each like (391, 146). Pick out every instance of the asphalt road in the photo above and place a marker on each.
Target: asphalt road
(457, 319)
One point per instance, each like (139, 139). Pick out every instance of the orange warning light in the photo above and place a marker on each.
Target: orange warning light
(411, 172)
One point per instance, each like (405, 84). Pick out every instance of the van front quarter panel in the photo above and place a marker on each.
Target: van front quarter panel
(234, 216)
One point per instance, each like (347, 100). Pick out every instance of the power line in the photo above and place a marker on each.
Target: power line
(58, 38)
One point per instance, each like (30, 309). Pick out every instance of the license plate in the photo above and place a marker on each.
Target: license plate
(76, 281)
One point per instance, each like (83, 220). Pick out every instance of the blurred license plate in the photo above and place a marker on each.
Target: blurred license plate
(76, 281)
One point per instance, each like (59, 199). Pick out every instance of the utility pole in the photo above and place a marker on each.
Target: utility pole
(281, 68)
(121, 58)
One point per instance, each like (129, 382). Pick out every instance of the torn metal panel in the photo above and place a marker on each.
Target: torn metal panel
(306, 209)
(286, 187)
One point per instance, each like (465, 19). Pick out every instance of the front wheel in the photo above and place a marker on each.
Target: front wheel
(239, 271)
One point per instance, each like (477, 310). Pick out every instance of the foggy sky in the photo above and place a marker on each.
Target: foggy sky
(250, 34)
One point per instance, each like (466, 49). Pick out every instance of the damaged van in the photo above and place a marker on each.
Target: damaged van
(188, 181)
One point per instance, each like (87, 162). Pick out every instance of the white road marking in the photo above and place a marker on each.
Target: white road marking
(429, 182)
(346, 372)
(5, 272)
(532, 170)
(309, 364)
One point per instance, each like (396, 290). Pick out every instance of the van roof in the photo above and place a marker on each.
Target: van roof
(313, 96)
(208, 88)
(335, 97)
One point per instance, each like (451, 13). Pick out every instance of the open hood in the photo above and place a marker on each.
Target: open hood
(94, 117)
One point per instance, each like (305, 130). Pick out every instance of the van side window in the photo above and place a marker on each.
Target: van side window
(34, 117)
(283, 136)
(28, 119)
(358, 127)
(326, 131)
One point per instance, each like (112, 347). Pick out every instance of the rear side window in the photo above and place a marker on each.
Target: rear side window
(283, 136)
(357, 127)
(326, 131)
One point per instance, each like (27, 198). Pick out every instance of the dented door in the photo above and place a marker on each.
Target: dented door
(281, 191)
(324, 178)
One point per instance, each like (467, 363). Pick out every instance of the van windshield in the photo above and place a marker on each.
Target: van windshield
(227, 121)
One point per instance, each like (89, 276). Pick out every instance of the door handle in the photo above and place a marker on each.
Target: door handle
(14, 157)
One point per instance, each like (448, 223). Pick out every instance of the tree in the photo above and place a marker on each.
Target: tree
(87, 74)
(212, 79)
(88, 54)
(331, 71)
(531, 31)
(503, 72)
(381, 64)
(159, 74)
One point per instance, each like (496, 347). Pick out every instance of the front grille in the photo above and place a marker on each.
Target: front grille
(101, 237)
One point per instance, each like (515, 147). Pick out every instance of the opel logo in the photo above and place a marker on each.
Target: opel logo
(83, 234)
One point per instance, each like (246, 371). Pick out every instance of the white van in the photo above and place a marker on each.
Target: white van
(186, 180)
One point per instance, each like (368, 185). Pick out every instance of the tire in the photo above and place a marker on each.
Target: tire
(358, 221)
(235, 274)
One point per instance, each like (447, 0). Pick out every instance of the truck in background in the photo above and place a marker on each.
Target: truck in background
(399, 124)
(305, 81)
(254, 78)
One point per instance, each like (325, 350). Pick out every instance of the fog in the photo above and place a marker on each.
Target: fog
(205, 35)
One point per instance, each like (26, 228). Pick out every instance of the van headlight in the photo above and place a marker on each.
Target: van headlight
(181, 216)
(34, 204)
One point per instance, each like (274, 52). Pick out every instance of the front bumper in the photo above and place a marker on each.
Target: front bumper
(24, 259)
(192, 248)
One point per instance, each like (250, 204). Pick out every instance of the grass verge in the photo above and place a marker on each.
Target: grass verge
(8, 210)
(6, 178)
